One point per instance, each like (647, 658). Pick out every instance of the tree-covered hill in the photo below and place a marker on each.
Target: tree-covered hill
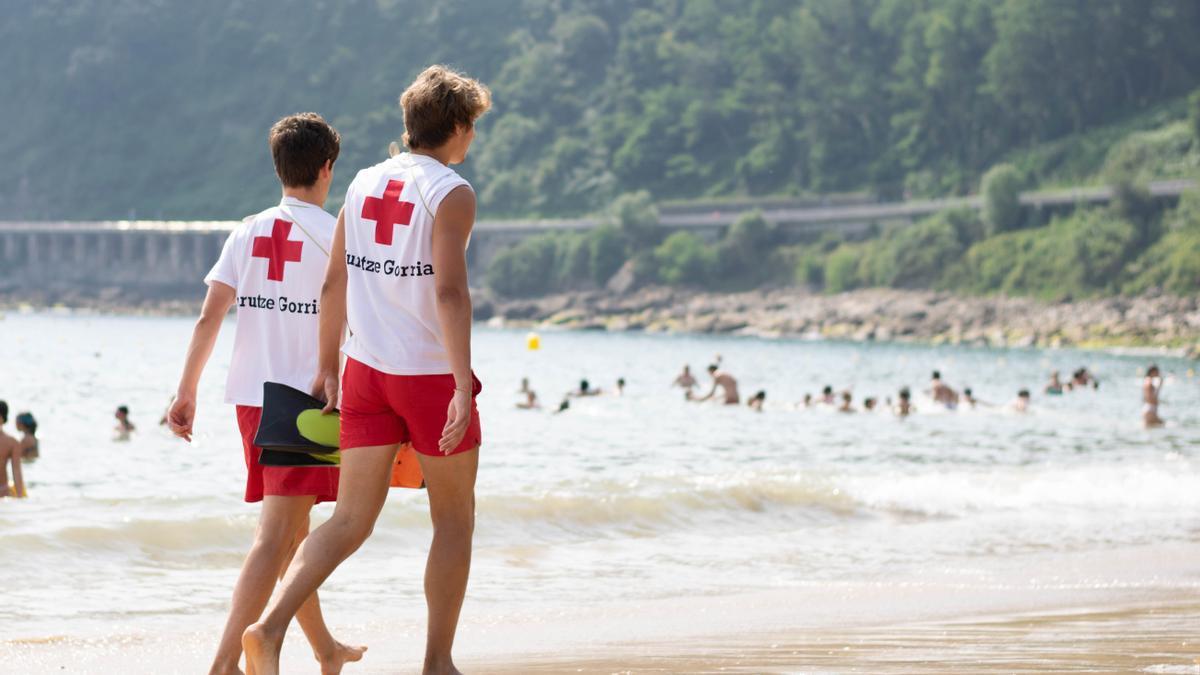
(159, 108)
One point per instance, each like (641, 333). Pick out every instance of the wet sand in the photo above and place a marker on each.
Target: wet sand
(852, 628)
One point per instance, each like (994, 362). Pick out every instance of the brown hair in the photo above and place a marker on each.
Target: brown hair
(300, 145)
(439, 101)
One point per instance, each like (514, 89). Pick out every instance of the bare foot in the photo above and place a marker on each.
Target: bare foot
(342, 654)
(262, 650)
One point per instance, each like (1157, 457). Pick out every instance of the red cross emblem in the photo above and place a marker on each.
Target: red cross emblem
(277, 249)
(388, 211)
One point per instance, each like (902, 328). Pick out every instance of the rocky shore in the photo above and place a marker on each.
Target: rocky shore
(876, 314)
(1153, 321)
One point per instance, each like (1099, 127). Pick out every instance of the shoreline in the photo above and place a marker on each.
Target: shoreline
(1158, 323)
(1149, 324)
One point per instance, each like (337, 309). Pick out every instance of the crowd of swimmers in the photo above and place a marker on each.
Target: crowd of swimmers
(723, 388)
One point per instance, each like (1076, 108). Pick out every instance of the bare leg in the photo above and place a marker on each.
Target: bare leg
(281, 518)
(330, 653)
(362, 490)
(451, 485)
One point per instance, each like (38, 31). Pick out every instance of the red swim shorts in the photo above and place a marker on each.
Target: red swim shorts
(382, 409)
(282, 481)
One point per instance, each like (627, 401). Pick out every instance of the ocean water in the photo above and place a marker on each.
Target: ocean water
(620, 499)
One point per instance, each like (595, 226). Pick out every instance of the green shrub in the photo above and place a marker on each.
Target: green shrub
(684, 258)
(1194, 114)
(1072, 257)
(810, 268)
(841, 269)
(607, 252)
(573, 267)
(637, 217)
(1001, 190)
(1172, 265)
(525, 269)
(916, 255)
(743, 251)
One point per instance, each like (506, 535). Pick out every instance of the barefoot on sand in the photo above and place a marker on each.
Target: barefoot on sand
(262, 651)
(342, 654)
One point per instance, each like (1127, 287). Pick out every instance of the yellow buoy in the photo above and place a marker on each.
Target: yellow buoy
(533, 342)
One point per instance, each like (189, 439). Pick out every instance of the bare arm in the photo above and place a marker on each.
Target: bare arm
(217, 302)
(18, 476)
(333, 319)
(451, 229)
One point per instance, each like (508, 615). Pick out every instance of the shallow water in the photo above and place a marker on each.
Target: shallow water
(626, 499)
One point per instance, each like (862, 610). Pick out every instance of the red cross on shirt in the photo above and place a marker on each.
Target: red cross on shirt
(388, 211)
(277, 249)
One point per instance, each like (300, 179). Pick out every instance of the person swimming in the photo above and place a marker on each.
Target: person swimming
(847, 403)
(904, 406)
(941, 392)
(620, 386)
(1082, 379)
(869, 404)
(827, 395)
(808, 400)
(530, 402)
(27, 425)
(1151, 388)
(124, 427)
(585, 389)
(756, 401)
(1020, 404)
(10, 453)
(685, 380)
(726, 382)
(1055, 386)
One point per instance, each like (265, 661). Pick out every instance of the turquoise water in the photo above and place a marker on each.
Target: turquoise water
(642, 496)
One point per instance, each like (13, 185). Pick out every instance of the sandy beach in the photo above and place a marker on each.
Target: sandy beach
(1083, 613)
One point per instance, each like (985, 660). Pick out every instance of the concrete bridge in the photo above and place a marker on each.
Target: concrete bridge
(168, 258)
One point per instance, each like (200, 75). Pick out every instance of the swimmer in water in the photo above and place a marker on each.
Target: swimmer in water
(524, 386)
(847, 401)
(726, 382)
(10, 453)
(124, 427)
(585, 389)
(27, 425)
(827, 395)
(756, 401)
(620, 386)
(1151, 387)
(941, 392)
(1020, 404)
(685, 380)
(808, 401)
(869, 404)
(1055, 386)
(530, 402)
(904, 406)
(970, 399)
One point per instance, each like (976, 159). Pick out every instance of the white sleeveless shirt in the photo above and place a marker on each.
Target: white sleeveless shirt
(275, 261)
(391, 304)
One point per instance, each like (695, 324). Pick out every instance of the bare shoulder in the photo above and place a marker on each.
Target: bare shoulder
(459, 200)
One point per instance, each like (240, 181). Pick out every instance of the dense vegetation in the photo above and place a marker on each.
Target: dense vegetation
(159, 108)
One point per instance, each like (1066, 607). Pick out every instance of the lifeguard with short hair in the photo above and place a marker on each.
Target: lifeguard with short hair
(397, 279)
(272, 267)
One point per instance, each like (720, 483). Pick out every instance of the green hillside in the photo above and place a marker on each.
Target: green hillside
(159, 108)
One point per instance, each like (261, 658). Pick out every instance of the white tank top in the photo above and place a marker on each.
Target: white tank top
(276, 262)
(391, 304)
